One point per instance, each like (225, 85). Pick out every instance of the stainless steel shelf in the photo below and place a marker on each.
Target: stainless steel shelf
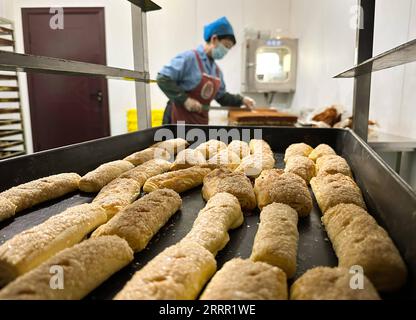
(8, 122)
(8, 89)
(146, 5)
(10, 154)
(3, 100)
(12, 61)
(8, 77)
(402, 54)
(6, 43)
(10, 143)
(7, 132)
(5, 31)
(9, 110)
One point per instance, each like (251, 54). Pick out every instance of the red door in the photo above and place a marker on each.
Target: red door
(66, 109)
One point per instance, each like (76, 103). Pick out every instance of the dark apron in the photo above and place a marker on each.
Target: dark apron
(204, 92)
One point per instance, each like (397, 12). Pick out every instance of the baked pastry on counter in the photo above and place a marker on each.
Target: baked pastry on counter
(275, 185)
(225, 158)
(247, 280)
(276, 241)
(210, 229)
(321, 150)
(302, 166)
(241, 148)
(145, 155)
(29, 194)
(236, 183)
(32, 247)
(334, 189)
(173, 146)
(95, 180)
(254, 164)
(126, 188)
(297, 149)
(177, 273)
(84, 267)
(210, 148)
(179, 180)
(140, 221)
(332, 164)
(188, 158)
(358, 240)
(324, 283)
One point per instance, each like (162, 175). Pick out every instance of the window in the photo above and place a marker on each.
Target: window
(273, 64)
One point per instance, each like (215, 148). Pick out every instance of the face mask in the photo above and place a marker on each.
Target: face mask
(219, 51)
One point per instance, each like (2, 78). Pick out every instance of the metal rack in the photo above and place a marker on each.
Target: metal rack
(16, 62)
(12, 135)
(366, 64)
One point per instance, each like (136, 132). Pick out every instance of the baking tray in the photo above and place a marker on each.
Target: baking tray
(391, 201)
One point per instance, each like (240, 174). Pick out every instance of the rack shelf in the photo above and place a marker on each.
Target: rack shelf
(6, 31)
(9, 110)
(11, 61)
(6, 43)
(8, 89)
(8, 122)
(402, 54)
(10, 154)
(7, 132)
(10, 143)
(8, 77)
(146, 5)
(2, 100)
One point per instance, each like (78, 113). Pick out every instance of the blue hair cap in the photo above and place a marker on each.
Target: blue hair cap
(220, 27)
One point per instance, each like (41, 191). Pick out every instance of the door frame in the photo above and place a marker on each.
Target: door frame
(26, 13)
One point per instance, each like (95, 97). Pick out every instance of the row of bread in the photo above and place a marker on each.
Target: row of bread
(254, 158)
(356, 237)
(31, 248)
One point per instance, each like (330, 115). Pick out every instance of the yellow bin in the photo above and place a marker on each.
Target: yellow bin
(157, 117)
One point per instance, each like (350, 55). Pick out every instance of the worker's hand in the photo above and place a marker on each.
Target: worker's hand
(192, 105)
(249, 103)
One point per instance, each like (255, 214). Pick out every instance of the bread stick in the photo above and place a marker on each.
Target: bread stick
(188, 158)
(332, 164)
(177, 273)
(297, 149)
(225, 158)
(324, 283)
(210, 148)
(141, 220)
(241, 148)
(334, 189)
(321, 150)
(145, 155)
(210, 229)
(29, 194)
(95, 180)
(179, 181)
(275, 185)
(173, 146)
(30, 248)
(301, 166)
(236, 183)
(358, 240)
(254, 164)
(276, 241)
(247, 280)
(126, 188)
(84, 267)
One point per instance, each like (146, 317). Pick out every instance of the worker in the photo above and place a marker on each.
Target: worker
(192, 79)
